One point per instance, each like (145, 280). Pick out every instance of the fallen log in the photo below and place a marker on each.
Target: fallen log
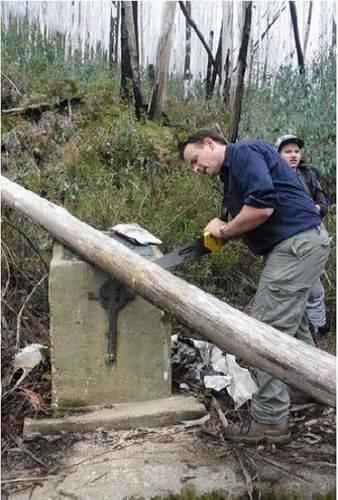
(298, 364)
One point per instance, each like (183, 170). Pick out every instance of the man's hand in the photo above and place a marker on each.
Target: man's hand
(214, 228)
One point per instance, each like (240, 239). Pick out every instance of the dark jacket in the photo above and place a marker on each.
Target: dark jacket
(309, 176)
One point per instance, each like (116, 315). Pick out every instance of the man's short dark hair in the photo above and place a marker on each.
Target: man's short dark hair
(198, 138)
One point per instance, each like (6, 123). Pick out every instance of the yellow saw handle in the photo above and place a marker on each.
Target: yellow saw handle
(211, 243)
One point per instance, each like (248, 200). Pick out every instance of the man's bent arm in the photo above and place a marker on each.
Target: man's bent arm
(247, 219)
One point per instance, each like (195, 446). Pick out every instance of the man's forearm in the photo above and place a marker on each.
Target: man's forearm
(248, 218)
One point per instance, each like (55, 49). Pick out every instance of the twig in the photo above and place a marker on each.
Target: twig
(274, 464)
(96, 479)
(31, 244)
(221, 415)
(12, 83)
(8, 274)
(18, 326)
(247, 477)
(19, 442)
(26, 479)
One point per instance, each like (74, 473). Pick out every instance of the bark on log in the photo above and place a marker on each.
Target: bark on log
(260, 345)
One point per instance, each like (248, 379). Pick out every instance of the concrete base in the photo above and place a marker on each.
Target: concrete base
(155, 413)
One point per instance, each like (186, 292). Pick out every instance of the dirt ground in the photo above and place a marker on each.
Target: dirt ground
(178, 462)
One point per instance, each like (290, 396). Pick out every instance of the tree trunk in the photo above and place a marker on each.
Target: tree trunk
(218, 60)
(198, 33)
(187, 70)
(162, 61)
(300, 56)
(126, 77)
(208, 92)
(236, 106)
(129, 26)
(296, 363)
(112, 37)
(307, 30)
(134, 4)
(227, 49)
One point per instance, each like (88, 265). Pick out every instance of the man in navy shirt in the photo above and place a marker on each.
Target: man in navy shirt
(276, 218)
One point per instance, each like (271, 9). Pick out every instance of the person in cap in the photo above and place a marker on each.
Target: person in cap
(289, 147)
(276, 218)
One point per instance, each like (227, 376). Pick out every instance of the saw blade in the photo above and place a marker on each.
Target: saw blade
(189, 251)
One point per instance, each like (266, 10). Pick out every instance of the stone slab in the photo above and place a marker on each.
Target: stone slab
(155, 413)
(168, 463)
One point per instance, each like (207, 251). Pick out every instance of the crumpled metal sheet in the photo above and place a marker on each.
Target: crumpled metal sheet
(136, 233)
(212, 367)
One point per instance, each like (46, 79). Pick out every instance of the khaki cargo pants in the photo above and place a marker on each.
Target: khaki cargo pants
(290, 270)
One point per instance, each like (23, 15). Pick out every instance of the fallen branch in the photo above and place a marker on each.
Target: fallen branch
(12, 83)
(32, 479)
(18, 325)
(39, 108)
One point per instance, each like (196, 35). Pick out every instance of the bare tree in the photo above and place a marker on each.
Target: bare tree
(294, 21)
(307, 29)
(162, 61)
(236, 105)
(187, 70)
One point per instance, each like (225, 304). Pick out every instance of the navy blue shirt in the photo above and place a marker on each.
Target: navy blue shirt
(255, 174)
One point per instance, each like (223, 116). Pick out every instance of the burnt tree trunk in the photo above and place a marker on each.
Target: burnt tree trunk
(227, 50)
(187, 70)
(294, 21)
(307, 30)
(162, 61)
(126, 90)
(209, 68)
(236, 105)
(113, 34)
(218, 60)
(130, 26)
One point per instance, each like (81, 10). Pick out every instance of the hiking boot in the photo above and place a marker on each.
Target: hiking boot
(259, 433)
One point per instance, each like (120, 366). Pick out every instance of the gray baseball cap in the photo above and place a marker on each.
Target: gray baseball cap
(288, 139)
